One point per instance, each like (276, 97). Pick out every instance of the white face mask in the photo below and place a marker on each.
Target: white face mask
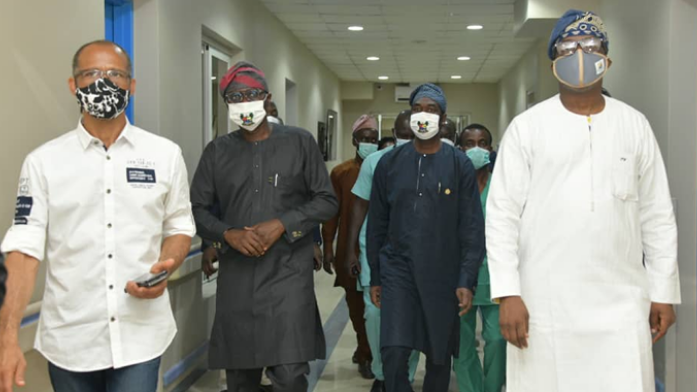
(448, 141)
(247, 115)
(425, 125)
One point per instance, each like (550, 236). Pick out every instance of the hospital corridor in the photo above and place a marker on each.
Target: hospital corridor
(348, 196)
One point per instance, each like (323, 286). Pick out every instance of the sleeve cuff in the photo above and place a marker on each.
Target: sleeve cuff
(375, 278)
(665, 290)
(29, 240)
(293, 231)
(360, 194)
(504, 286)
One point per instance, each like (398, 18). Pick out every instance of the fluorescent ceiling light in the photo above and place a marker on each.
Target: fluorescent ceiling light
(456, 77)
(464, 58)
(373, 58)
(356, 28)
(475, 27)
(383, 77)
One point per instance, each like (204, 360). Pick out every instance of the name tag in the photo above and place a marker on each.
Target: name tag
(23, 209)
(140, 176)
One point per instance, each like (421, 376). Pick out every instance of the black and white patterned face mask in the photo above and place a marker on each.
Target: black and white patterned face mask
(103, 99)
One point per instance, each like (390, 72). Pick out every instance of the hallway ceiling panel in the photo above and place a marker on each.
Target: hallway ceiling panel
(414, 42)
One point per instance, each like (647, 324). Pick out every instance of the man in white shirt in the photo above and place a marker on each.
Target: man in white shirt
(106, 203)
(580, 193)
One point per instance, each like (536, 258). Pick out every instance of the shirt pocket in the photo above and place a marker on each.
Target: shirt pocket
(625, 178)
(288, 190)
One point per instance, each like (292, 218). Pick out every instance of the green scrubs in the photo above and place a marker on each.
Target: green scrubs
(471, 376)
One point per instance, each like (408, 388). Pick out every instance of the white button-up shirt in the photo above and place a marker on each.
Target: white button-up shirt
(100, 217)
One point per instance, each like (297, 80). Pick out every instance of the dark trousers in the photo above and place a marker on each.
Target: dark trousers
(395, 364)
(356, 306)
(141, 377)
(284, 378)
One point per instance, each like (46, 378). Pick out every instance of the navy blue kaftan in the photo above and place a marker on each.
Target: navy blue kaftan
(425, 239)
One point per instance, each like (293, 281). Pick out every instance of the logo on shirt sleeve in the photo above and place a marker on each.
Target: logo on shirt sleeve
(140, 176)
(23, 209)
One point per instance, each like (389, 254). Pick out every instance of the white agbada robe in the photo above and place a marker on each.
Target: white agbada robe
(574, 203)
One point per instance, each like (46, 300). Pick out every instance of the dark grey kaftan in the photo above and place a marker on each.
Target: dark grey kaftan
(266, 313)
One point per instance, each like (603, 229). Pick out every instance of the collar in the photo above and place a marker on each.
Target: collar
(86, 138)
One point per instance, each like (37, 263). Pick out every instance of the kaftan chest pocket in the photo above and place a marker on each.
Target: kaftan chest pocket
(625, 178)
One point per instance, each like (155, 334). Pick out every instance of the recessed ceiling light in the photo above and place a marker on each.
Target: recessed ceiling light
(356, 28)
(456, 77)
(373, 58)
(475, 27)
(383, 77)
(464, 58)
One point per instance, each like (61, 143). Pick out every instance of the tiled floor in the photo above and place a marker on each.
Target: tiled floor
(339, 375)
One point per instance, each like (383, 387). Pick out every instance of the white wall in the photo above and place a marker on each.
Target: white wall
(168, 65)
(479, 100)
(531, 74)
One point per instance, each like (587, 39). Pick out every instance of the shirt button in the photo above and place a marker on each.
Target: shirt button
(113, 319)
(423, 175)
(108, 157)
(110, 256)
(256, 191)
(108, 191)
(421, 194)
(257, 166)
(96, 143)
(111, 287)
(108, 225)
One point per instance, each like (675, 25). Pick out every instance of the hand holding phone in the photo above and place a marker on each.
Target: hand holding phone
(153, 284)
(150, 280)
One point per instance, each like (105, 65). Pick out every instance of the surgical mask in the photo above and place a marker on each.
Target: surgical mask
(273, 120)
(425, 125)
(448, 141)
(247, 115)
(103, 99)
(580, 69)
(479, 157)
(401, 142)
(365, 149)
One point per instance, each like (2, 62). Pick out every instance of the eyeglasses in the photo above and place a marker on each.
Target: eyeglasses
(589, 44)
(115, 75)
(247, 95)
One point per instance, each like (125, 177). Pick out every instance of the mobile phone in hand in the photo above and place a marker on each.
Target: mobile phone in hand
(150, 280)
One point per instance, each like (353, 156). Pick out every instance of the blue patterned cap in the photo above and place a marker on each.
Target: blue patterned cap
(429, 90)
(577, 23)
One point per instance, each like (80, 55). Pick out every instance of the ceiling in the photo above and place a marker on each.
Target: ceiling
(416, 40)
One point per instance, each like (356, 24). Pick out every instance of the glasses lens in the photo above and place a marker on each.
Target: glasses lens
(89, 75)
(252, 95)
(565, 48)
(591, 44)
(234, 97)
